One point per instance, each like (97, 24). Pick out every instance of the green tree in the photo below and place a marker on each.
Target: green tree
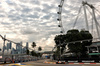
(60, 41)
(86, 35)
(33, 53)
(57, 53)
(33, 44)
(71, 36)
(78, 47)
(39, 48)
(27, 52)
(74, 35)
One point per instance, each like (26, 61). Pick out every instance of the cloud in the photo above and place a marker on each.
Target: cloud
(28, 31)
(47, 44)
(35, 20)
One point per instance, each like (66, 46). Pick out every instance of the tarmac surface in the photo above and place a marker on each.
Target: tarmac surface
(48, 62)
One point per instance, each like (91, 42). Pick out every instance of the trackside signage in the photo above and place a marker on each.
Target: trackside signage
(87, 61)
(75, 61)
(84, 61)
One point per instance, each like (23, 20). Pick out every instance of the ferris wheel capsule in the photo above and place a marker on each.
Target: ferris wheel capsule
(59, 25)
(58, 12)
(59, 5)
(59, 19)
(61, 31)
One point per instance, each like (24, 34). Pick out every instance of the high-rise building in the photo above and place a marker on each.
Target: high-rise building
(10, 45)
(24, 50)
(19, 47)
(26, 45)
(13, 51)
(7, 46)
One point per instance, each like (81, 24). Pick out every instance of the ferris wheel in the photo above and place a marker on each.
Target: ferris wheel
(60, 16)
(85, 6)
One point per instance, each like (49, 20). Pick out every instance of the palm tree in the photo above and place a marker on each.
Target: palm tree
(33, 44)
(27, 52)
(39, 48)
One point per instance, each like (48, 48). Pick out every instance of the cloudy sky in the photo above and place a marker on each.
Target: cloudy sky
(36, 20)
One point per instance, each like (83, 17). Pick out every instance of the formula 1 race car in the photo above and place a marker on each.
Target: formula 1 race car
(60, 62)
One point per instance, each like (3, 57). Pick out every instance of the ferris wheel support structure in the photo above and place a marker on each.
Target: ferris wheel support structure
(94, 17)
(96, 23)
(85, 14)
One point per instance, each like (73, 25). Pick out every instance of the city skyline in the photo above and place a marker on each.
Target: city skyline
(8, 49)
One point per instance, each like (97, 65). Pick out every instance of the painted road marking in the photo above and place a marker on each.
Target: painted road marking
(19, 64)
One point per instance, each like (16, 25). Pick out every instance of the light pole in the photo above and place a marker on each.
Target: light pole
(4, 45)
(60, 49)
(60, 52)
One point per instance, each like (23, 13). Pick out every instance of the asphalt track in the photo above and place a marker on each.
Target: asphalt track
(50, 63)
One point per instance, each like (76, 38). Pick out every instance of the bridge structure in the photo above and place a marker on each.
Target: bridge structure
(47, 52)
